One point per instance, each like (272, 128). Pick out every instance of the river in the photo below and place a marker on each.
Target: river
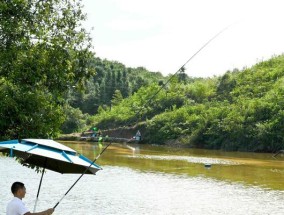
(147, 179)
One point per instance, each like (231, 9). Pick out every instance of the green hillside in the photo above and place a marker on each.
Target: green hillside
(242, 110)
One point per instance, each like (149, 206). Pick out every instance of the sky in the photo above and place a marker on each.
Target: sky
(161, 35)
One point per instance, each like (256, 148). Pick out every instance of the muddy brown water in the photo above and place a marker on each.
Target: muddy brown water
(147, 179)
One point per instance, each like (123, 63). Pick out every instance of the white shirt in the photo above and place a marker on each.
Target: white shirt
(16, 207)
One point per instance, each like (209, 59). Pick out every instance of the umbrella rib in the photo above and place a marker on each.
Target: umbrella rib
(33, 147)
(66, 156)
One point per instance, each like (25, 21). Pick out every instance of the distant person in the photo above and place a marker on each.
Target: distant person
(138, 135)
(17, 207)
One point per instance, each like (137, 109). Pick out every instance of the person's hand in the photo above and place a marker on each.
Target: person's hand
(49, 211)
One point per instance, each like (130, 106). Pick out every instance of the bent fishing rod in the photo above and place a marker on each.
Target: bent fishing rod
(146, 103)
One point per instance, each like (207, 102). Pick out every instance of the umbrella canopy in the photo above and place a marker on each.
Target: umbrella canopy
(48, 154)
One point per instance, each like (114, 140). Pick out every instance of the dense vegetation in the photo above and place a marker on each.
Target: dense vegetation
(242, 110)
(107, 88)
(44, 51)
(50, 82)
(111, 82)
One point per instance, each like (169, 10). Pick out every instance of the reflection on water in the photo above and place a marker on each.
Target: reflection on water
(157, 180)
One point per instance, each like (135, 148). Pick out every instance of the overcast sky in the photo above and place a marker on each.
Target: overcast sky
(162, 35)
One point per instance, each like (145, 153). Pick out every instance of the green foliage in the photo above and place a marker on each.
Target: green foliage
(242, 110)
(28, 114)
(201, 90)
(44, 51)
(43, 44)
(116, 98)
(48, 84)
(75, 120)
(174, 123)
(226, 84)
(110, 76)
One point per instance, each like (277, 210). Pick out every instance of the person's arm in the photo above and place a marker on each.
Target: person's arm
(46, 212)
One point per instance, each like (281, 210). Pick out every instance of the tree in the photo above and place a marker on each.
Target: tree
(125, 84)
(225, 87)
(75, 120)
(28, 114)
(182, 76)
(43, 52)
(116, 98)
(43, 44)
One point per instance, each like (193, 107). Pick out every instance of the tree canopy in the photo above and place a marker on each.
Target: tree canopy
(44, 50)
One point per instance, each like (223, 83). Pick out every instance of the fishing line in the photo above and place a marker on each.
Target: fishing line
(146, 103)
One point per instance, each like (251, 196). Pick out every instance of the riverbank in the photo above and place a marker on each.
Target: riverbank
(73, 137)
(79, 137)
(119, 135)
(127, 135)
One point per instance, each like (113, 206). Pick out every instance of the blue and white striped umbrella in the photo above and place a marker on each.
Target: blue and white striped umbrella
(48, 154)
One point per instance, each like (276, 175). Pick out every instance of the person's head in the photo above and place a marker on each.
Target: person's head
(18, 189)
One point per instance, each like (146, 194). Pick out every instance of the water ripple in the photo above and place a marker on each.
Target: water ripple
(190, 159)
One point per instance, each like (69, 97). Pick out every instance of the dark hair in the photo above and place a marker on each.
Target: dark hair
(16, 186)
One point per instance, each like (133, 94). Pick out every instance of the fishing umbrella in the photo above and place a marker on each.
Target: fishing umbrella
(48, 154)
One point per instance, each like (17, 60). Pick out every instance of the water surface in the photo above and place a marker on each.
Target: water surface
(157, 180)
(259, 169)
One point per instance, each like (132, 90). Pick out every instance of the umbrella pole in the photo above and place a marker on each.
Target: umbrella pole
(40, 184)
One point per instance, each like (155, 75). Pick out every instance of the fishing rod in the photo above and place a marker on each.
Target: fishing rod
(82, 175)
(146, 103)
(179, 70)
(182, 67)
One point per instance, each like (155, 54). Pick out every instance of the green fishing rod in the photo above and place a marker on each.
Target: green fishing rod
(146, 103)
